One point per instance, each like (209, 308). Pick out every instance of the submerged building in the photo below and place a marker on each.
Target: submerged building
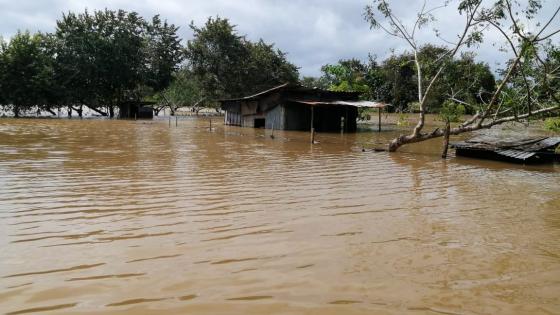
(294, 107)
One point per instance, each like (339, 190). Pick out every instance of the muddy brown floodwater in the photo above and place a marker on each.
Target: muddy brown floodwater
(124, 217)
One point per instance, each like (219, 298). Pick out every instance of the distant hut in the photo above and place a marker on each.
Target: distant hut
(136, 110)
(293, 107)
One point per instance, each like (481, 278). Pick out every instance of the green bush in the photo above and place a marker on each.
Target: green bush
(552, 124)
(403, 120)
(451, 111)
(414, 107)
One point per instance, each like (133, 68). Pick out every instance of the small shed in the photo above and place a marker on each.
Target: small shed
(294, 107)
(136, 109)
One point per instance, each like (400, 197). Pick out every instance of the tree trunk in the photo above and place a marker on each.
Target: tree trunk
(51, 111)
(446, 140)
(16, 111)
(111, 111)
(78, 110)
(97, 111)
(469, 127)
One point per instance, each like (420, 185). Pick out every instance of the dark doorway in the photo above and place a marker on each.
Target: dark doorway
(260, 123)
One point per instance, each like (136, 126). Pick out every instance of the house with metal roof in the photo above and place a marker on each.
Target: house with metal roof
(294, 107)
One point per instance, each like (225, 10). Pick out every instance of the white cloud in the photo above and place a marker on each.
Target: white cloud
(312, 32)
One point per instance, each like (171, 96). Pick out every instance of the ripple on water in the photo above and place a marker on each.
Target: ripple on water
(110, 216)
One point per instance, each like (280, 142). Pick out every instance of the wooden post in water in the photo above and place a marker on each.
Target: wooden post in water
(176, 121)
(312, 128)
(346, 120)
(379, 119)
(272, 133)
(210, 124)
(135, 117)
(446, 140)
(169, 121)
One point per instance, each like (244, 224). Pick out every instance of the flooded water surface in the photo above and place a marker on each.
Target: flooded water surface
(124, 217)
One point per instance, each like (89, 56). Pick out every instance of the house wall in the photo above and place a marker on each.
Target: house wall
(275, 118)
(280, 113)
(297, 117)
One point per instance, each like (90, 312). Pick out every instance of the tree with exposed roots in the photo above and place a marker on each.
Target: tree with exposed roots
(526, 88)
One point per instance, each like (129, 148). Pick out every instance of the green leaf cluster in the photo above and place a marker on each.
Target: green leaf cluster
(228, 65)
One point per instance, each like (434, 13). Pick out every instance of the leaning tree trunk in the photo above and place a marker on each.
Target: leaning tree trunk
(104, 114)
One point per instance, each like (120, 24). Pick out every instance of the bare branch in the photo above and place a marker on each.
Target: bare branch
(547, 24)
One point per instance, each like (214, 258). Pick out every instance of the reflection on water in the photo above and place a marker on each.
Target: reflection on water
(122, 217)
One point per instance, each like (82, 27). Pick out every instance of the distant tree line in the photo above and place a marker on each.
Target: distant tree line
(103, 59)
(394, 80)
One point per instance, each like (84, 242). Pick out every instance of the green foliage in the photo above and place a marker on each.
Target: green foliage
(184, 91)
(98, 59)
(26, 74)
(103, 58)
(228, 65)
(312, 82)
(163, 53)
(403, 120)
(552, 124)
(414, 107)
(353, 76)
(451, 111)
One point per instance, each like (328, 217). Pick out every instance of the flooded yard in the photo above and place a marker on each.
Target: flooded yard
(125, 217)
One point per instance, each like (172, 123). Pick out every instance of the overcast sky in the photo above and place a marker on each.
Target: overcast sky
(312, 32)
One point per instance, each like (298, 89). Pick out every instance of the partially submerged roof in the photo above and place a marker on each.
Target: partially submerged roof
(518, 149)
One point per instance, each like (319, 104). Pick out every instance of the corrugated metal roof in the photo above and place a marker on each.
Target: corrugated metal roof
(516, 154)
(258, 94)
(296, 87)
(364, 104)
(524, 149)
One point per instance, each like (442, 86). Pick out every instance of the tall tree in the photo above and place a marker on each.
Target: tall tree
(106, 58)
(185, 90)
(163, 52)
(504, 17)
(228, 65)
(26, 72)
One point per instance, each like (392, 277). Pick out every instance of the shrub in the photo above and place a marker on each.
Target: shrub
(552, 124)
(451, 111)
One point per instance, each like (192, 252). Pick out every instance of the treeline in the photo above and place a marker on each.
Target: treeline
(395, 79)
(105, 59)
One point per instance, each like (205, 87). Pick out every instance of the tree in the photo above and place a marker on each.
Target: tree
(347, 75)
(3, 61)
(184, 91)
(314, 82)
(107, 58)
(228, 65)
(26, 72)
(267, 67)
(524, 46)
(163, 53)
